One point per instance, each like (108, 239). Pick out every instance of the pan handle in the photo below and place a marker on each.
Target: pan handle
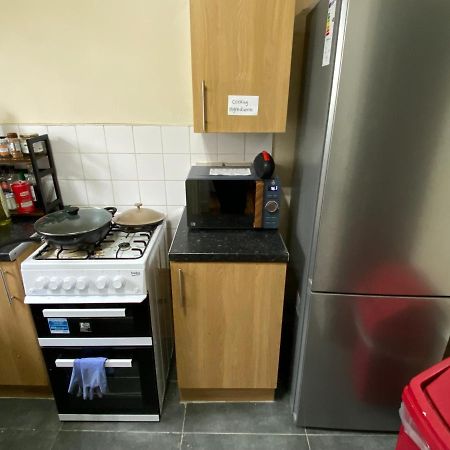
(111, 209)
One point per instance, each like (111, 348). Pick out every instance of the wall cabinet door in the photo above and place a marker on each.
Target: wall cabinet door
(227, 323)
(241, 47)
(21, 358)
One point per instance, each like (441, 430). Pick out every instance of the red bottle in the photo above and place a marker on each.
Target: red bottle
(23, 197)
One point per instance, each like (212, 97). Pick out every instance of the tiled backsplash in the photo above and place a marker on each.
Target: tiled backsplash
(103, 165)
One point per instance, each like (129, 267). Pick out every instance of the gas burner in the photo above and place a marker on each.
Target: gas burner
(118, 244)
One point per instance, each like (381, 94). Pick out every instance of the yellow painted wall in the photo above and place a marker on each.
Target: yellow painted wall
(95, 61)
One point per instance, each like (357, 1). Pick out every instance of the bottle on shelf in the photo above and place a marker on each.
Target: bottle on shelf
(4, 211)
(14, 145)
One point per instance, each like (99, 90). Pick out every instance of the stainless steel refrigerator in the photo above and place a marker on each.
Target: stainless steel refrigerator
(370, 209)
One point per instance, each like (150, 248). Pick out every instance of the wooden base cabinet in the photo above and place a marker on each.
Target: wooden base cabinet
(227, 320)
(20, 355)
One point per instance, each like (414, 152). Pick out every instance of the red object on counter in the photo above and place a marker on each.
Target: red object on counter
(425, 411)
(23, 197)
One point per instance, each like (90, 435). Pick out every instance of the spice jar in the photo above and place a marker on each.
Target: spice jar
(38, 147)
(14, 145)
(4, 151)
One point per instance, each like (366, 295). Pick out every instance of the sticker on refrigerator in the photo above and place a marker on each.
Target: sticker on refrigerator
(243, 105)
(58, 326)
(329, 33)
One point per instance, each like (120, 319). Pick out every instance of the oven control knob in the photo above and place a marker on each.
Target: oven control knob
(271, 206)
(118, 282)
(81, 283)
(54, 283)
(68, 283)
(41, 282)
(101, 282)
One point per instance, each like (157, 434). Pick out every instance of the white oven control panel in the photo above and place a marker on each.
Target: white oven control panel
(89, 282)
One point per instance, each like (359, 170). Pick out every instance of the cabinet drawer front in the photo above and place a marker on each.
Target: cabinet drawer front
(227, 323)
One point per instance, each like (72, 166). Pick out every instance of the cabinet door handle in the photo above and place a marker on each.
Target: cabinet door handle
(203, 107)
(180, 285)
(5, 285)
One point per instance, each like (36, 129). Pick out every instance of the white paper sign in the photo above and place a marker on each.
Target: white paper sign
(230, 172)
(243, 105)
(329, 33)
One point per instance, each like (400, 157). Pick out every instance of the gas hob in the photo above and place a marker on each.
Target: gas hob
(113, 268)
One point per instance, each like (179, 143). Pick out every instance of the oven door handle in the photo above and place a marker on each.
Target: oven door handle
(84, 312)
(108, 363)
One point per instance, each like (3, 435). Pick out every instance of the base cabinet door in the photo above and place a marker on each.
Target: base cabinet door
(22, 363)
(227, 320)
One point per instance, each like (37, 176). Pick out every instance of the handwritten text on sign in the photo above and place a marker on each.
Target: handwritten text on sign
(243, 105)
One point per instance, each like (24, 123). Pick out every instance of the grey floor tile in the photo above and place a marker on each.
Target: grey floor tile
(28, 414)
(243, 442)
(352, 442)
(27, 440)
(272, 417)
(88, 440)
(348, 432)
(172, 418)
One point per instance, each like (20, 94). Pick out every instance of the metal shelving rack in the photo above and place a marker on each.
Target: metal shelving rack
(39, 173)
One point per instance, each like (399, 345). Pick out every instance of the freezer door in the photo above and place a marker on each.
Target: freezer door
(359, 353)
(385, 216)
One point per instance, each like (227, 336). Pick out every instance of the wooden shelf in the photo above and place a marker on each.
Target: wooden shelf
(23, 160)
(36, 213)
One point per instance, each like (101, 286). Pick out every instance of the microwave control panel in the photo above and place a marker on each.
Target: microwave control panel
(272, 196)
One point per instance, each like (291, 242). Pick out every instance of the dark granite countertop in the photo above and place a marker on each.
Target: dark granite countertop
(18, 229)
(227, 245)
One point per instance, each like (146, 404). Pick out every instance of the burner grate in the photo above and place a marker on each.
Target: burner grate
(118, 244)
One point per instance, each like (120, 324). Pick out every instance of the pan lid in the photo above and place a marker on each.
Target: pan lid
(72, 221)
(139, 216)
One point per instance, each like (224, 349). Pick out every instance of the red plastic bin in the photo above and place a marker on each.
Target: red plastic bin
(425, 410)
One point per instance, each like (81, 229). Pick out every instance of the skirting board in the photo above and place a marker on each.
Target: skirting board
(227, 395)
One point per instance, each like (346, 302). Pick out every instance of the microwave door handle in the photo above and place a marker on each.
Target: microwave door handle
(108, 363)
(82, 312)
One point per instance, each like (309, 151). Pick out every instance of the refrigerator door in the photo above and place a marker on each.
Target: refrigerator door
(385, 215)
(360, 353)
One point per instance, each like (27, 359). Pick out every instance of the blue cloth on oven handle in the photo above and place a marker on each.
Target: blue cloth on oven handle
(88, 378)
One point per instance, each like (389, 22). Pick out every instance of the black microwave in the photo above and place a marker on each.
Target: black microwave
(231, 198)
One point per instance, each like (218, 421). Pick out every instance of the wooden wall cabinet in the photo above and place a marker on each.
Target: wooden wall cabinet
(227, 320)
(241, 47)
(21, 358)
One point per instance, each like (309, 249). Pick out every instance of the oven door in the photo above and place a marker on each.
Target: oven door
(92, 320)
(131, 376)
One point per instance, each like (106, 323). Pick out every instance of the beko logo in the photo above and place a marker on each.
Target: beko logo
(135, 274)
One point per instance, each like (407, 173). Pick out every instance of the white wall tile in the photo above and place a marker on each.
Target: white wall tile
(200, 158)
(73, 192)
(147, 139)
(100, 192)
(231, 158)
(95, 166)
(30, 129)
(152, 192)
(175, 139)
(91, 138)
(204, 143)
(257, 142)
(119, 139)
(150, 167)
(63, 138)
(10, 128)
(123, 167)
(126, 192)
(68, 166)
(176, 167)
(175, 191)
(173, 218)
(231, 143)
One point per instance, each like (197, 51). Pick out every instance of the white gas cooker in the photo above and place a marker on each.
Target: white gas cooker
(106, 273)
